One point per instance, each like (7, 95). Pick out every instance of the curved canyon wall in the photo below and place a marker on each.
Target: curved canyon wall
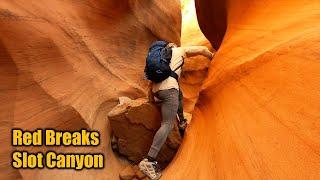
(258, 112)
(64, 64)
(195, 69)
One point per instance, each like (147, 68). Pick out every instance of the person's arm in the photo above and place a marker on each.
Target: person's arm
(198, 50)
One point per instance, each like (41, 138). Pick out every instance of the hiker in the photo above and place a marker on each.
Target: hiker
(163, 67)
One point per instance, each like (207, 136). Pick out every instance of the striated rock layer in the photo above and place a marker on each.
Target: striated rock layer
(258, 112)
(63, 64)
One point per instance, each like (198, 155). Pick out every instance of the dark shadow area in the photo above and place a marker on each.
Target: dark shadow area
(212, 17)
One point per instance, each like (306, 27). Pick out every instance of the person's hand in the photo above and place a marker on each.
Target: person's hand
(211, 56)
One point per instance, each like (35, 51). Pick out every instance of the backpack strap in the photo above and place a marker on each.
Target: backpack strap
(180, 65)
(174, 75)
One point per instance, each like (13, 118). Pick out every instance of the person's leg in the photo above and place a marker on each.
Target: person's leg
(169, 108)
(182, 121)
(180, 108)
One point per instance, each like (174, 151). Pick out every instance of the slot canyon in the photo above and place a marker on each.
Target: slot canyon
(255, 107)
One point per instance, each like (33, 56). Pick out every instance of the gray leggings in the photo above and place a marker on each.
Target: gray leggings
(171, 104)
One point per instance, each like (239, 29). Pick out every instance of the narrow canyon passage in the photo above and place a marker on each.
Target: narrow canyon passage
(63, 65)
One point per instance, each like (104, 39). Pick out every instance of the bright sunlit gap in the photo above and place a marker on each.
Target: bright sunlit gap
(190, 31)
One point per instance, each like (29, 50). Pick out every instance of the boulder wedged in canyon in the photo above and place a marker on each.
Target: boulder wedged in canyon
(134, 124)
(64, 64)
(258, 112)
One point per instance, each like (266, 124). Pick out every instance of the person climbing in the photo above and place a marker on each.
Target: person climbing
(163, 68)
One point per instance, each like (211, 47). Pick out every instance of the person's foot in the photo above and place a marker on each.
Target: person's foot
(183, 124)
(150, 168)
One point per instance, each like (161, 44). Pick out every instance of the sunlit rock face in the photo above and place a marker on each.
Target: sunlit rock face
(64, 64)
(195, 68)
(258, 112)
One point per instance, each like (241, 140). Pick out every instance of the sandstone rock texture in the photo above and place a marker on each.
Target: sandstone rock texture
(127, 173)
(132, 173)
(258, 112)
(134, 124)
(195, 69)
(63, 65)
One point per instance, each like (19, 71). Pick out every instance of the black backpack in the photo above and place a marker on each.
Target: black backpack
(158, 61)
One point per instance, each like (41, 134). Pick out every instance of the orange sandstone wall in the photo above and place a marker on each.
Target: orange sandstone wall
(258, 112)
(195, 68)
(64, 63)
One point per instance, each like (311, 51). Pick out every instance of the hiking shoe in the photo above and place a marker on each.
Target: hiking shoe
(182, 125)
(150, 168)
